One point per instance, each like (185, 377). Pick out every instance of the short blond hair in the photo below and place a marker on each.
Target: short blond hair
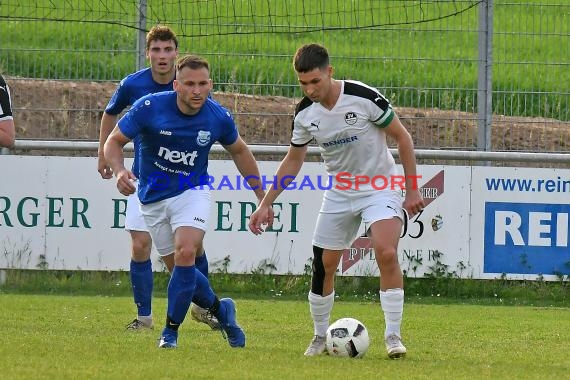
(193, 62)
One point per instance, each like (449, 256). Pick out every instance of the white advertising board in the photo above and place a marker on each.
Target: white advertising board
(57, 213)
(435, 241)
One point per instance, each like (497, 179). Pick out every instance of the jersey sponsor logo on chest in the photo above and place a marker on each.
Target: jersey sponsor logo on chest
(176, 157)
(342, 141)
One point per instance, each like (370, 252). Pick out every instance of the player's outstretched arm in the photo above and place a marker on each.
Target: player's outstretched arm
(247, 166)
(113, 150)
(287, 171)
(108, 122)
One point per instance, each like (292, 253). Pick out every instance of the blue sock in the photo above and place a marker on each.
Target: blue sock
(141, 283)
(180, 292)
(202, 264)
(203, 295)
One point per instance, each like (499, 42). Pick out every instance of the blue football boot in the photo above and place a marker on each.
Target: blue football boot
(230, 328)
(168, 338)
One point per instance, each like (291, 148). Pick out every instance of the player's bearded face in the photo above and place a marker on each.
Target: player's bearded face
(315, 84)
(193, 88)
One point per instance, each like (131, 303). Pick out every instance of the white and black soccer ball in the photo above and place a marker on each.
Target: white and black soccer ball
(347, 337)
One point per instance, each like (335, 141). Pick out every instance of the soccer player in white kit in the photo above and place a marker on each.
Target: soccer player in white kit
(7, 128)
(349, 121)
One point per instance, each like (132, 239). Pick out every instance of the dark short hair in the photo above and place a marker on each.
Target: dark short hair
(309, 57)
(160, 33)
(193, 62)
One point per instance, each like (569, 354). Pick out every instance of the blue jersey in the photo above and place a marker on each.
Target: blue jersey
(132, 88)
(174, 147)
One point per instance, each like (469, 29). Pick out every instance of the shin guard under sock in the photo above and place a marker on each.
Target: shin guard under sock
(180, 292)
(321, 312)
(392, 302)
(142, 284)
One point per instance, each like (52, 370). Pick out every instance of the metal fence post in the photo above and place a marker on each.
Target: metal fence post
(485, 85)
(141, 35)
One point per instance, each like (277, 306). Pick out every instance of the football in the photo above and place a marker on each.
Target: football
(347, 337)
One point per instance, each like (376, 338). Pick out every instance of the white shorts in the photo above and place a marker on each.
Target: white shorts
(134, 220)
(341, 215)
(189, 209)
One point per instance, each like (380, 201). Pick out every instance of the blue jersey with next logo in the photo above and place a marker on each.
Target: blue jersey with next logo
(174, 147)
(132, 88)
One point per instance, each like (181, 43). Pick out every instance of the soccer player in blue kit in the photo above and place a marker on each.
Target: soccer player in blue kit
(161, 51)
(177, 130)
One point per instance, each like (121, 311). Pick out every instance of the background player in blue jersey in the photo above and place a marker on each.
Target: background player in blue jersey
(7, 129)
(350, 122)
(161, 51)
(177, 130)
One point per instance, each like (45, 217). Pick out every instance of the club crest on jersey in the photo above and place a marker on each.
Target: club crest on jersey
(203, 138)
(350, 118)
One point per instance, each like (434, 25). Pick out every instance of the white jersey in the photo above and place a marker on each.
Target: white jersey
(351, 138)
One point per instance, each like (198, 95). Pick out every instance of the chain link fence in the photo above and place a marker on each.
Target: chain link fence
(462, 74)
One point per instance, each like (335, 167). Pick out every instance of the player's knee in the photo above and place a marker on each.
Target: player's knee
(387, 256)
(318, 278)
(186, 251)
(141, 246)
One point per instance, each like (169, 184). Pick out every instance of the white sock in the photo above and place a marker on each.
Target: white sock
(321, 311)
(146, 319)
(392, 302)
